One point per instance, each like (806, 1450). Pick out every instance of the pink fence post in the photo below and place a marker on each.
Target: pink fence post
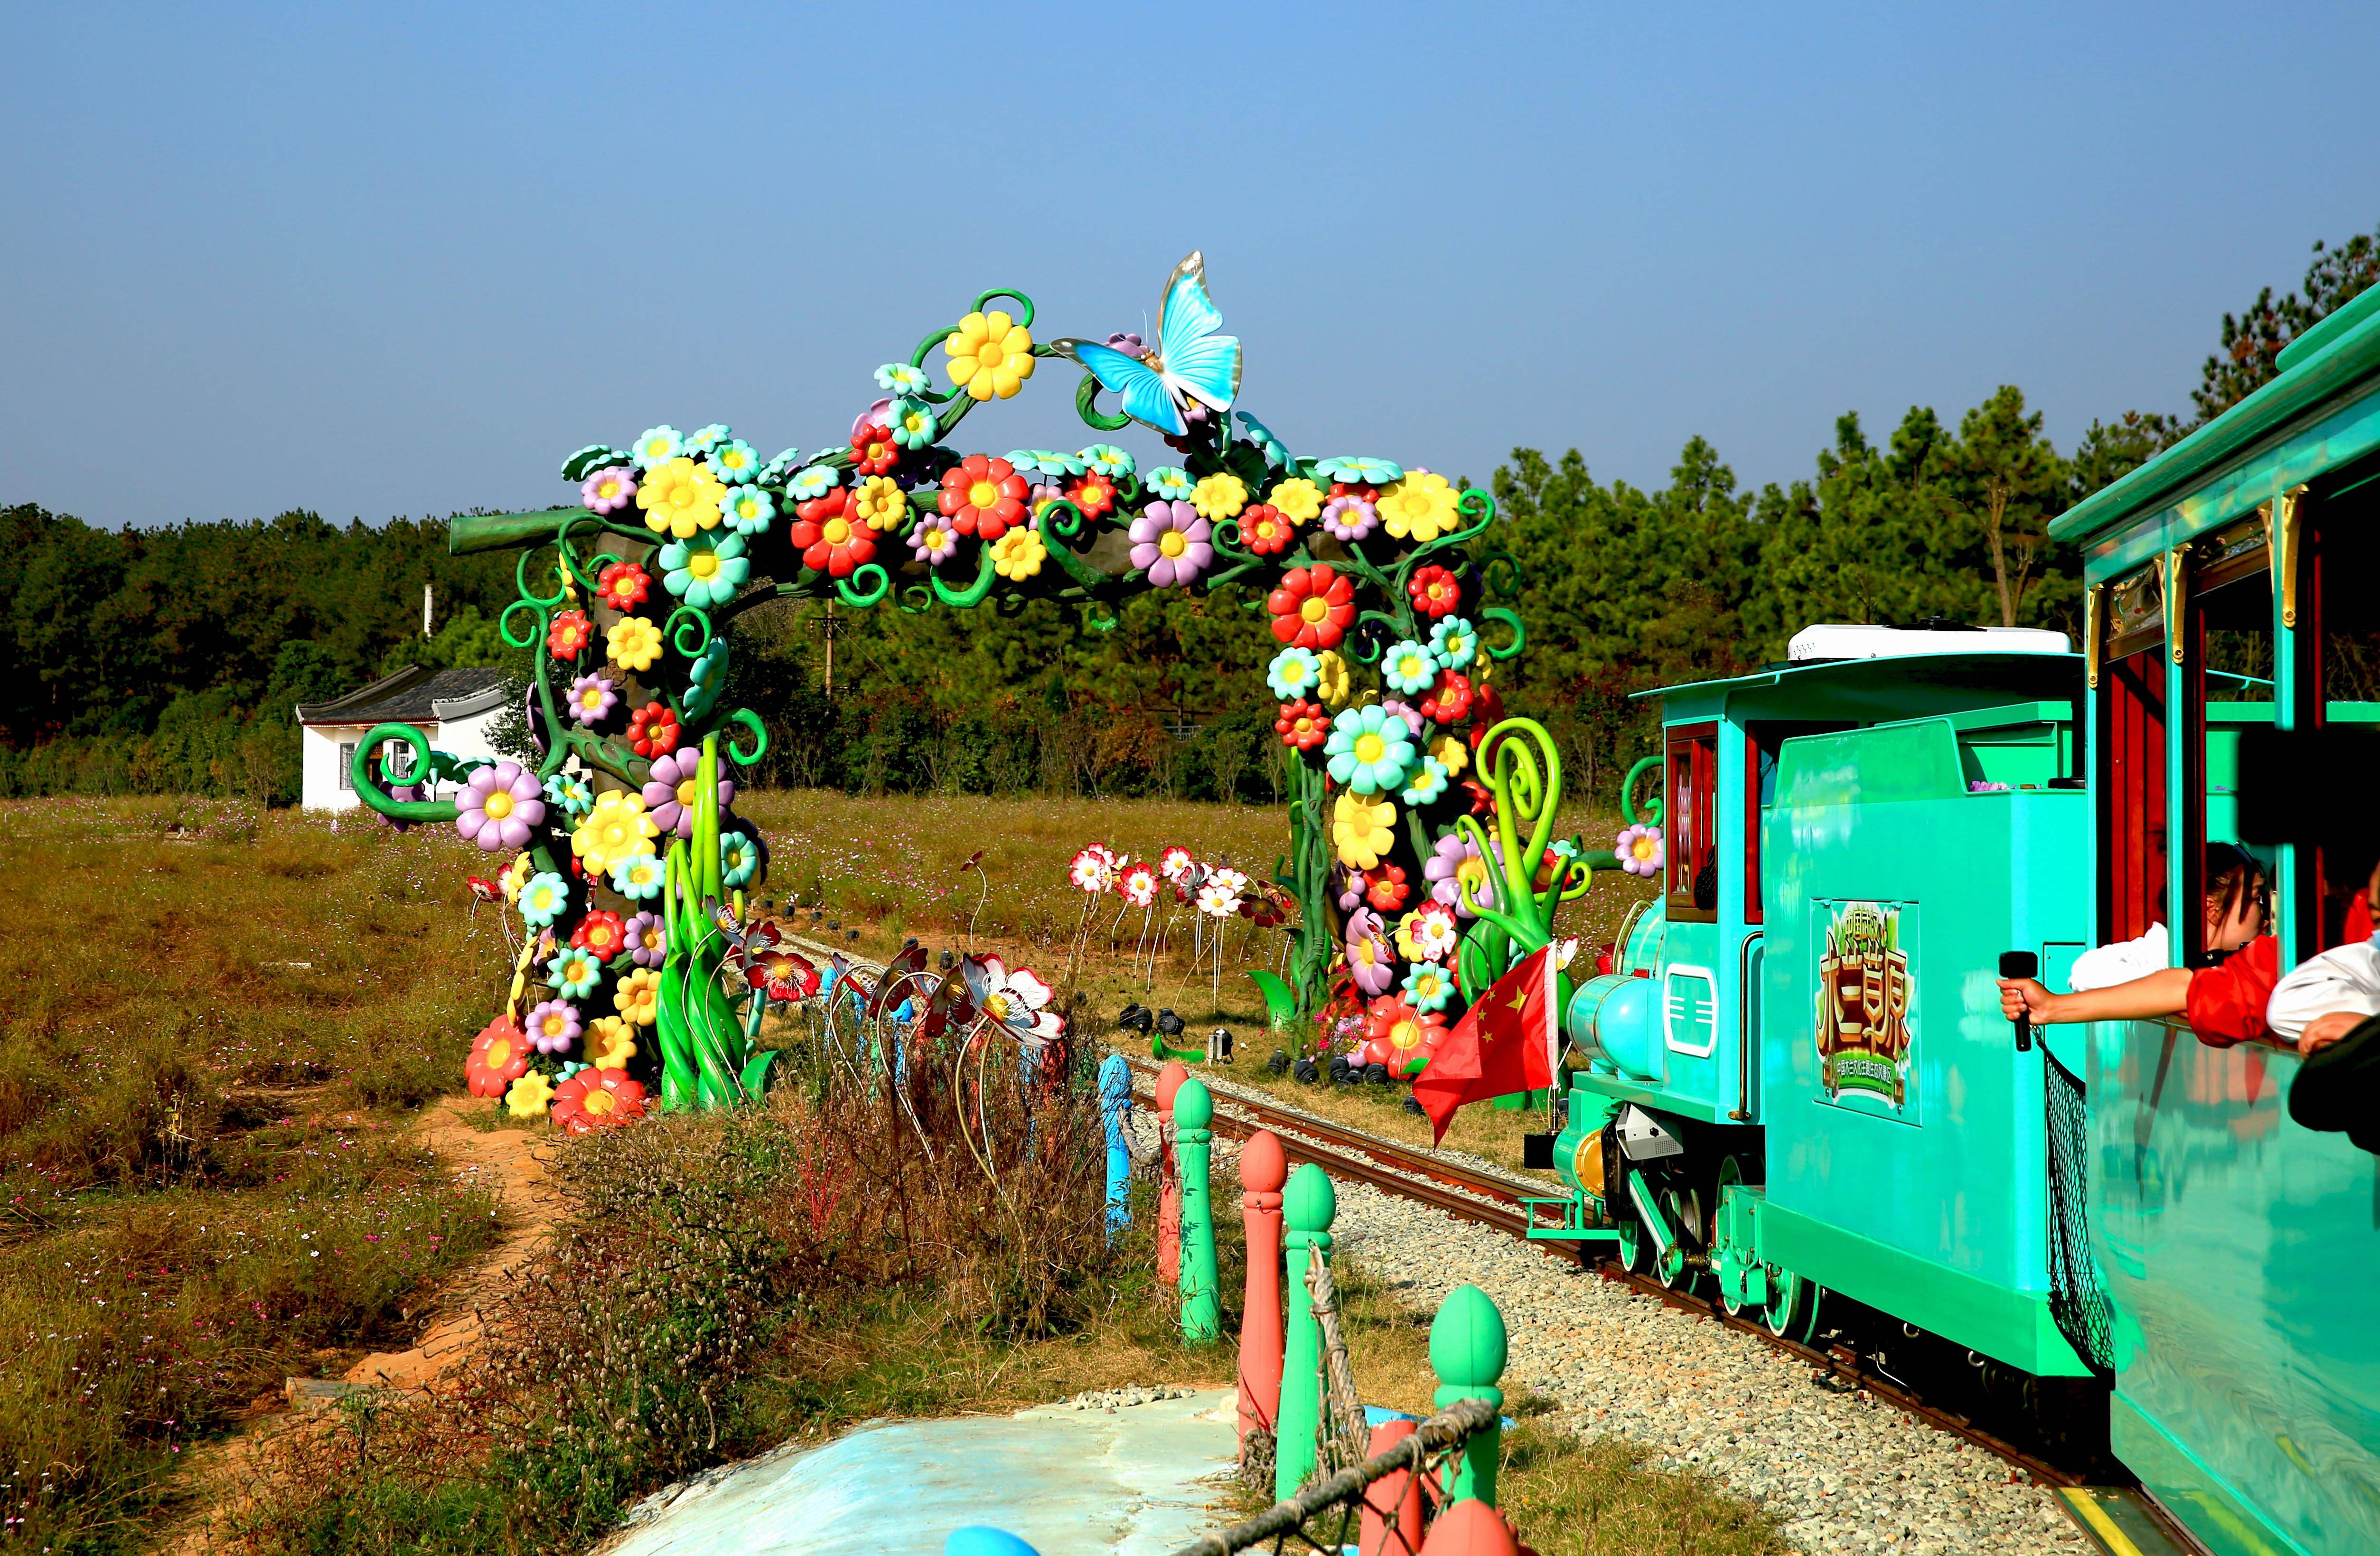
(1264, 1167)
(1169, 1178)
(1399, 1491)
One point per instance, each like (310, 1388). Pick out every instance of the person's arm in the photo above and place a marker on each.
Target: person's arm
(2163, 993)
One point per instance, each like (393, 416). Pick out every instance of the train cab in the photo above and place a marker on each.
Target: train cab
(2229, 595)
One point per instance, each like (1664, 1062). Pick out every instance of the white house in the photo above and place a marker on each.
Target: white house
(452, 708)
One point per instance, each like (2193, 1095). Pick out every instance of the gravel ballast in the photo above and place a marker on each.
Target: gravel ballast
(1843, 1471)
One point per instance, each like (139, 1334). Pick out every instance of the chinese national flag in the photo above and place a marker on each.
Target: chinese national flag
(1501, 1045)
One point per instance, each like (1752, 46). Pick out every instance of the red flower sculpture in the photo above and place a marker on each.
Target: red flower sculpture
(1361, 493)
(601, 932)
(569, 635)
(1487, 707)
(829, 542)
(1483, 800)
(1094, 494)
(781, 973)
(1448, 702)
(1385, 887)
(499, 1057)
(1266, 528)
(1313, 607)
(1302, 725)
(983, 496)
(623, 586)
(1435, 591)
(652, 730)
(873, 452)
(596, 1099)
(1402, 1032)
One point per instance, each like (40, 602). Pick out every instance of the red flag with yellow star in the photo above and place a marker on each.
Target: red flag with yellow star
(1500, 1045)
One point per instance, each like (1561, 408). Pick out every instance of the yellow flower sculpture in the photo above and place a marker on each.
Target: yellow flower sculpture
(637, 996)
(527, 1096)
(610, 1043)
(1332, 682)
(616, 829)
(1453, 754)
(680, 497)
(516, 875)
(1419, 508)
(1363, 830)
(991, 354)
(880, 504)
(1220, 496)
(634, 643)
(1297, 498)
(1019, 553)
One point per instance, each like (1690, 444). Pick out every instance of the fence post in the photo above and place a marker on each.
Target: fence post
(1308, 1206)
(1115, 1106)
(1466, 1351)
(1391, 1503)
(1202, 1305)
(1169, 1177)
(1263, 1170)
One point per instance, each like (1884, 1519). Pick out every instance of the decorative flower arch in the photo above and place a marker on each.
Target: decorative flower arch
(1378, 582)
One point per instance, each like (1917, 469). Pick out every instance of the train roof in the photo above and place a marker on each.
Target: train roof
(1888, 687)
(2322, 411)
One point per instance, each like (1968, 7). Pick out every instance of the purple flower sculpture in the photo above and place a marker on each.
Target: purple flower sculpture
(1169, 543)
(553, 1027)
(1443, 868)
(1351, 887)
(592, 699)
(933, 540)
(647, 942)
(1640, 850)
(1349, 519)
(1131, 346)
(609, 490)
(670, 791)
(1369, 960)
(1411, 716)
(499, 806)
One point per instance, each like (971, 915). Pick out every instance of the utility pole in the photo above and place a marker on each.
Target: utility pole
(425, 611)
(831, 630)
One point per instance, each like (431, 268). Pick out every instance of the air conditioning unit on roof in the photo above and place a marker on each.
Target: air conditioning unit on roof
(1850, 640)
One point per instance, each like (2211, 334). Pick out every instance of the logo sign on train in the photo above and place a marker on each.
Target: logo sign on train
(1863, 996)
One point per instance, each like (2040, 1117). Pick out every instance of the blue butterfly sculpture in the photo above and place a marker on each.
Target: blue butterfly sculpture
(1188, 361)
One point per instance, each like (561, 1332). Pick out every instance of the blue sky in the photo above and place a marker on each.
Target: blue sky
(403, 259)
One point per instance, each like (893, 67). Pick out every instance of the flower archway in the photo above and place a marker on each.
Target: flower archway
(1420, 855)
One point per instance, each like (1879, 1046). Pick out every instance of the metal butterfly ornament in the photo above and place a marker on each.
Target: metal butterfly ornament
(1189, 361)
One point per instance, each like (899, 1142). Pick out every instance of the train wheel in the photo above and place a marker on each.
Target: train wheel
(1636, 1246)
(1726, 1265)
(1682, 1208)
(1791, 1312)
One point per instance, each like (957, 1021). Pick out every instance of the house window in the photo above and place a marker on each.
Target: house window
(1690, 808)
(347, 765)
(396, 757)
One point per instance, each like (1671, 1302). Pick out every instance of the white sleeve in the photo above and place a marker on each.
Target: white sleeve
(2346, 978)
(2120, 963)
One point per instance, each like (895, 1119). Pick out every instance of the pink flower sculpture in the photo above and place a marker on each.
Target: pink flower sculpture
(1640, 850)
(1369, 961)
(670, 791)
(499, 806)
(1169, 543)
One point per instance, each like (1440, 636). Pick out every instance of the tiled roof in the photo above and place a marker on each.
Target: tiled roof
(412, 696)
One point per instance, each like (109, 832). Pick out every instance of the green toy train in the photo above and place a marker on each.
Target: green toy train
(1793, 1079)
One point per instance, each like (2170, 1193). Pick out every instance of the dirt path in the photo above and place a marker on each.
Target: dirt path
(511, 1163)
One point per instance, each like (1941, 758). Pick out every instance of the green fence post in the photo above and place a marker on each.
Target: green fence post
(1466, 1351)
(1307, 1207)
(1202, 1303)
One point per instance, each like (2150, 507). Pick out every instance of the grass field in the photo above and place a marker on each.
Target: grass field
(219, 1026)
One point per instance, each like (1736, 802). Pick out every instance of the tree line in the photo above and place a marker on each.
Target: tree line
(171, 658)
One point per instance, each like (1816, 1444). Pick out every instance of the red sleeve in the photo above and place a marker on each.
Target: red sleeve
(2359, 920)
(2226, 1003)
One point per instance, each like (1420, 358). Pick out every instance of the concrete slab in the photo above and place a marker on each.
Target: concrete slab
(1138, 1481)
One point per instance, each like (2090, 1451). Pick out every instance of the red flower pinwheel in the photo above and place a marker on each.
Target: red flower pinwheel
(1385, 887)
(1313, 607)
(596, 1099)
(623, 586)
(1435, 591)
(601, 932)
(499, 1057)
(829, 542)
(1448, 702)
(652, 730)
(1266, 528)
(569, 635)
(873, 452)
(1302, 725)
(781, 973)
(983, 496)
(1094, 494)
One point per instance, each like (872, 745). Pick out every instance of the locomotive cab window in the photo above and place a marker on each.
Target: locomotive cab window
(1763, 744)
(2132, 734)
(1691, 810)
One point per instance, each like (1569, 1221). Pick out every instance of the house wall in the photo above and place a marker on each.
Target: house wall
(322, 786)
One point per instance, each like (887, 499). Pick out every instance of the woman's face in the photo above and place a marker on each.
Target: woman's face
(2245, 922)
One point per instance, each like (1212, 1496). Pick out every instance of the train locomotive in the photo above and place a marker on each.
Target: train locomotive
(1792, 1079)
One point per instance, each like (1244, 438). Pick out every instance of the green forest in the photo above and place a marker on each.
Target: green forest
(169, 658)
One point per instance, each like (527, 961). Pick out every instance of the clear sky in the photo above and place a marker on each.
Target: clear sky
(380, 260)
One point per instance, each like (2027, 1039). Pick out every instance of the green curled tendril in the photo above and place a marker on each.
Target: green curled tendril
(1510, 618)
(359, 773)
(969, 597)
(1025, 322)
(1062, 519)
(750, 720)
(849, 589)
(536, 634)
(1649, 813)
(528, 595)
(682, 618)
(1087, 394)
(916, 598)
